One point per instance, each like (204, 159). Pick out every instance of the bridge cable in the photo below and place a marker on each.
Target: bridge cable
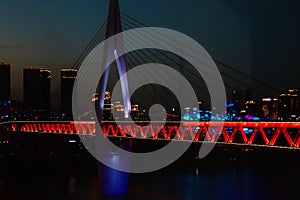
(227, 66)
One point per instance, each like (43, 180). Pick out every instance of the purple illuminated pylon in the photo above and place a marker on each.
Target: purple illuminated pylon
(124, 83)
(113, 27)
(113, 181)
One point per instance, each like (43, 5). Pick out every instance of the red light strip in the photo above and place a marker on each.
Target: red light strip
(232, 132)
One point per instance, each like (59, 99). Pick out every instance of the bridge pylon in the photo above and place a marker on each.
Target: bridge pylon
(113, 182)
(113, 27)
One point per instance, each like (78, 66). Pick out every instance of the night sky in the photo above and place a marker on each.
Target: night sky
(258, 37)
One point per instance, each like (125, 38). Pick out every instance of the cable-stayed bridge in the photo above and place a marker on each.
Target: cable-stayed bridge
(285, 135)
(264, 134)
(247, 135)
(233, 78)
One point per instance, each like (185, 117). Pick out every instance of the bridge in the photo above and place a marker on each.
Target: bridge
(256, 134)
(259, 134)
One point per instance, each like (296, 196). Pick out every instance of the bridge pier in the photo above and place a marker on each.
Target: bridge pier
(114, 183)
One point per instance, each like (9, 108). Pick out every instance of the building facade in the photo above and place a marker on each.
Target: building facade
(68, 77)
(4, 81)
(238, 101)
(289, 105)
(36, 87)
(269, 108)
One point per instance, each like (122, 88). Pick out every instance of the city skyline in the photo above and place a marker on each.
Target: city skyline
(69, 131)
(241, 105)
(254, 42)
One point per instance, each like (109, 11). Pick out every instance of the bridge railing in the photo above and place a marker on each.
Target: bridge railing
(261, 133)
(63, 127)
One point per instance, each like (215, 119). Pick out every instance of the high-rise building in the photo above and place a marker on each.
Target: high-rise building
(269, 108)
(252, 108)
(4, 81)
(108, 106)
(289, 105)
(68, 77)
(36, 88)
(249, 95)
(237, 100)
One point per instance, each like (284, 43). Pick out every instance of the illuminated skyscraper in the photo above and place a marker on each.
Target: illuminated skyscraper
(237, 99)
(108, 106)
(289, 105)
(252, 108)
(269, 108)
(249, 95)
(4, 81)
(36, 87)
(68, 77)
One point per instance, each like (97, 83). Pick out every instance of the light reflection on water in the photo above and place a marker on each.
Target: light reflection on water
(258, 180)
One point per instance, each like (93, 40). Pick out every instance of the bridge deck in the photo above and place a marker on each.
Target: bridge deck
(271, 134)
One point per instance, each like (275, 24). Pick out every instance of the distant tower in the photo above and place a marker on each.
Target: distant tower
(289, 105)
(36, 87)
(249, 95)
(4, 81)
(251, 106)
(269, 108)
(68, 77)
(237, 98)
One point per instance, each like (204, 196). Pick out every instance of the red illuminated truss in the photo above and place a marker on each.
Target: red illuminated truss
(262, 133)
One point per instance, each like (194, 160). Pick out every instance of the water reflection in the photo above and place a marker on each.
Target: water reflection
(217, 180)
